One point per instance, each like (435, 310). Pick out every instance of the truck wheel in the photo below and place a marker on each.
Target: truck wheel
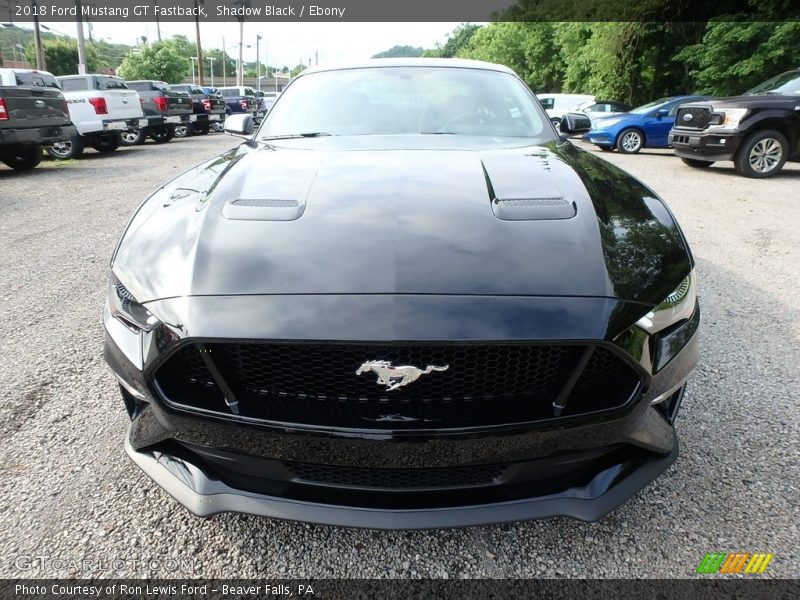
(201, 129)
(557, 124)
(761, 154)
(218, 126)
(72, 148)
(22, 158)
(107, 143)
(163, 134)
(182, 131)
(697, 164)
(134, 137)
(630, 141)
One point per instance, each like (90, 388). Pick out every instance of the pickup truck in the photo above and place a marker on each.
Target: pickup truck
(759, 131)
(208, 108)
(239, 100)
(165, 110)
(101, 108)
(33, 114)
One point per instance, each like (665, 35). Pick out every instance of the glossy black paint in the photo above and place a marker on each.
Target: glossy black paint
(393, 233)
(395, 238)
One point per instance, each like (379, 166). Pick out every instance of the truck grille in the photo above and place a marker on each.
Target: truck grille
(692, 117)
(315, 383)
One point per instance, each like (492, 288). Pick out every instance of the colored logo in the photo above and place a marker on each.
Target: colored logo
(735, 562)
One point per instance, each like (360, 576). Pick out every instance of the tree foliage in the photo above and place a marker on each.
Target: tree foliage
(400, 51)
(637, 60)
(61, 56)
(163, 61)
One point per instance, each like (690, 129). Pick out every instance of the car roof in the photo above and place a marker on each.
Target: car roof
(460, 63)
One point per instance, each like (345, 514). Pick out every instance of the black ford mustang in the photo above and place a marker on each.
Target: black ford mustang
(404, 302)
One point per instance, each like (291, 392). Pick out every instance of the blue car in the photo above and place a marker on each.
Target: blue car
(644, 127)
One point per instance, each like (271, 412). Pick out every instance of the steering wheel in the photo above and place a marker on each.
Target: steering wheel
(455, 119)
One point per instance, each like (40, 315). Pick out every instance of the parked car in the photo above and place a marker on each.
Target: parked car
(597, 109)
(556, 105)
(208, 108)
(101, 107)
(758, 131)
(33, 114)
(265, 101)
(646, 126)
(383, 376)
(165, 110)
(239, 100)
(214, 92)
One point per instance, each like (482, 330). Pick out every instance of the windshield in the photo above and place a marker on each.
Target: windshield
(786, 83)
(646, 108)
(406, 100)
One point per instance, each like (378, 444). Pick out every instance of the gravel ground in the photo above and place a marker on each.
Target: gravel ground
(69, 492)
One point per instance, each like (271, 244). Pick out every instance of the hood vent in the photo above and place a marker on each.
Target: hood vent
(533, 209)
(263, 209)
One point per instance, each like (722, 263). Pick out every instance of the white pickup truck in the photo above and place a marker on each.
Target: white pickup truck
(101, 107)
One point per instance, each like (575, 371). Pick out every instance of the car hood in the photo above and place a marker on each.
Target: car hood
(321, 217)
(779, 101)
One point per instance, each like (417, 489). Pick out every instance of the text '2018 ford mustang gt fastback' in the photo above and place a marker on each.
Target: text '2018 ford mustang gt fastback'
(403, 302)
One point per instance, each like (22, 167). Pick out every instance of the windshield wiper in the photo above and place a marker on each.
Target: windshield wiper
(311, 134)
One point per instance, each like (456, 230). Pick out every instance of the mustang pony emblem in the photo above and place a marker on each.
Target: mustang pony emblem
(395, 377)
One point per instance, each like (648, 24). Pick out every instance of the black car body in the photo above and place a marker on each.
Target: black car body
(33, 114)
(758, 131)
(422, 328)
(208, 108)
(164, 108)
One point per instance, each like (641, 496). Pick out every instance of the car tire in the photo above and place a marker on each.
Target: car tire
(107, 142)
(557, 124)
(697, 164)
(630, 141)
(762, 154)
(201, 129)
(23, 157)
(162, 134)
(71, 148)
(218, 126)
(134, 137)
(182, 131)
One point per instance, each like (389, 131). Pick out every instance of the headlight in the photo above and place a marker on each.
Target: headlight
(728, 119)
(677, 306)
(126, 308)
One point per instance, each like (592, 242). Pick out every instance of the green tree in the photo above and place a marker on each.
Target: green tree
(457, 40)
(160, 60)
(218, 56)
(734, 57)
(400, 51)
(297, 70)
(61, 56)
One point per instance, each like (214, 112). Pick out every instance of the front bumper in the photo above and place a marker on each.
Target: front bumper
(600, 138)
(704, 145)
(578, 467)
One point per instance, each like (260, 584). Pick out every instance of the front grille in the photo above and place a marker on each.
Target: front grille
(315, 383)
(405, 479)
(692, 117)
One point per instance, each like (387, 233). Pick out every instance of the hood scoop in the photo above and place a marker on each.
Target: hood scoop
(263, 209)
(533, 209)
(522, 187)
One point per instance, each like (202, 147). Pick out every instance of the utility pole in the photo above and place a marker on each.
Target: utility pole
(241, 49)
(258, 64)
(158, 23)
(199, 48)
(81, 42)
(316, 58)
(41, 65)
(211, 60)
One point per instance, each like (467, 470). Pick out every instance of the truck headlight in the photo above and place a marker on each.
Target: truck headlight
(127, 309)
(729, 118)
(677, 306)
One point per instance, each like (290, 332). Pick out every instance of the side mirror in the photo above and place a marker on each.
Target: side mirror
(660, 114)
(572, 123)
(241, 125)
